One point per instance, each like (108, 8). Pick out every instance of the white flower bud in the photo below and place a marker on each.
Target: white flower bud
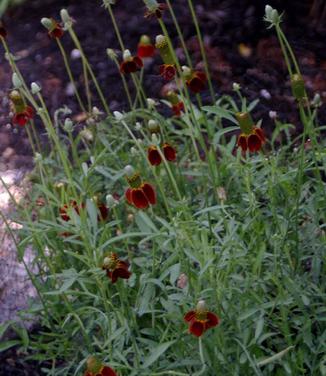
(118, 115)
(126, 55)
(272, 115)
(186, 70)
(236, 86)
(155, 138)
(111, 53)
(316, 102)
(16, 81)
(129, 170)
(133, 151)
(151, 102)
(37, 157)
(111, 201)
(138, 126)
(35, 88)
(68, 125)
(268, 11)
(201, 306)
(160, 39)
(66, 19)
(46, 22)
(87, 135)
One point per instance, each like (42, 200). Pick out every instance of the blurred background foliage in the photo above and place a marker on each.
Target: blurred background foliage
(5, 4)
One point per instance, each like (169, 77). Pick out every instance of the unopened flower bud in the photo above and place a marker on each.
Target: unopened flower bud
(221, 193)
(126, 55)
(68, 125)
(298, 87)
(16, 81)
(46, 22)
(130, 218)
(35, 88)
(87, 135)
(151, 102)
(245, 122)
(186, 71)
(111, 201)
(153, 126)
(316, 102)
(66, 19)
(182, 281)
(118, 115)
(155, 139)
(37, 157)
(138, 126)
(272, 115)
(111, 53)
(129, 170)
(236, 86)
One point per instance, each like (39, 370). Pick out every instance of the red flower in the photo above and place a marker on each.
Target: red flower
(154, 156)
(145, 47)
(104, 212)
(169, 151)
(155, 11)
(56, 30)
(64, 210)
(96, 368)
(200, 319)
(167, 71)
(196, 82)
(3, 31)
(252, 141)
(131, 65)
(21, 118)
(116, 268)
(178, 108)
(141, 197)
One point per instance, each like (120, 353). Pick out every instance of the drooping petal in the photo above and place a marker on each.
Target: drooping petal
(145, 50)
(189, 316)
(153, 156)
(107, 371)
(242, 142)
(149, 193)
(29, 112)
(20, 119)
(196, 328)
(104, 212)
(167, 71)
(254, 143)
(57, 32)
(139, 198)
(197, 83)
(212, 320)
(260, 133)
(128, 67)
(122, 272)
(138, 61)
(63, 213)
(170, 153)
(128, 196)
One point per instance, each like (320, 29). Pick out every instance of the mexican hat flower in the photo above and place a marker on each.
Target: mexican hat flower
(96, 368)
(176, 104)
(168, 69)
(154, 9)
(130, 64)
(200, 319)
(140, 194)
(3, 31)
(22, 112)
(252, 138)
(55, 29)
(195, 80)
(115, 268)
(145, 48)
(64, 210)
(155, 158)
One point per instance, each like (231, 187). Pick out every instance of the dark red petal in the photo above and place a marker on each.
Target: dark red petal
(104, 212)
(260, 133)
(254, 143)
(87, 373)
(3, 32)
(170, 153)
(128, 67)
(122, 273)
(242, 142)
(149, 193)
(128, 196)
(213, 320)
(138, 61)
(63, 213)
(29, 112)
(167, 71)
(20, 119)
(201, 76)
(145, 50)
(139, 199)
(196, 328)
(57, 32)
(113, 275)
(107, 371)
(153, 156)
(189, 315)
(196, 85)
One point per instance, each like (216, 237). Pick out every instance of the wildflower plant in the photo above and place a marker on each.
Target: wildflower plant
(206, 255)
